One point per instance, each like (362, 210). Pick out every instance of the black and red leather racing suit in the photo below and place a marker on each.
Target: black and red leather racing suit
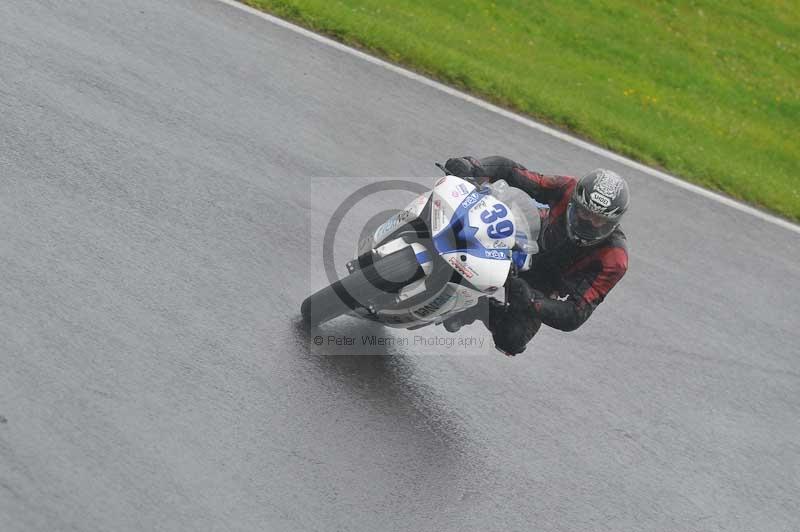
(574, 279)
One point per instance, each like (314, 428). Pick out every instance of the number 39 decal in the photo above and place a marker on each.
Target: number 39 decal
(501, 229)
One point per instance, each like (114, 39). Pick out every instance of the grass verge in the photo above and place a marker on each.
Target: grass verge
(707, 89)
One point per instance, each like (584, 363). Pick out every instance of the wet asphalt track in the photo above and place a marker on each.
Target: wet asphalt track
(157, 213)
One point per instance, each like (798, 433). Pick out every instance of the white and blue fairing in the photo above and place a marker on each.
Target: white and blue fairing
(481, 231)
(478, 232)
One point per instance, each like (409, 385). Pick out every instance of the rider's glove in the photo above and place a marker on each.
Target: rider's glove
(462, 166)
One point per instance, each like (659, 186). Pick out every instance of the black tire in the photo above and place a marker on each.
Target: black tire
(386, 275)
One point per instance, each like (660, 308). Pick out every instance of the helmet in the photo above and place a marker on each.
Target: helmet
(596, 207)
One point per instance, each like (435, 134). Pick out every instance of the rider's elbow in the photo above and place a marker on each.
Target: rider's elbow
(569, 319)
(570, 326)
(571, 323)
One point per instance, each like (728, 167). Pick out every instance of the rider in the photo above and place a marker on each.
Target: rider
(582, 254)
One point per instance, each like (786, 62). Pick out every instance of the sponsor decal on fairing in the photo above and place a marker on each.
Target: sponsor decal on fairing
(463, 270)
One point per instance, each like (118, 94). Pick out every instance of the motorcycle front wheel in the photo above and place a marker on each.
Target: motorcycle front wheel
(386, 275)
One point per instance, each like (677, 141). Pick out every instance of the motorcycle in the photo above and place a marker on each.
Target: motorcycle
(449, 247)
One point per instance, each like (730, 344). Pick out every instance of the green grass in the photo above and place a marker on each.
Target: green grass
(708, 89)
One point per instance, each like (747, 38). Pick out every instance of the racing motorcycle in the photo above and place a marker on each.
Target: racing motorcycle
(449, 247)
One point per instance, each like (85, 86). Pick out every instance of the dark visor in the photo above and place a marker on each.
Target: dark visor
(586, 224)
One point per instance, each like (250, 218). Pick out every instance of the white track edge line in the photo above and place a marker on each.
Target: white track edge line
(519, 119)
